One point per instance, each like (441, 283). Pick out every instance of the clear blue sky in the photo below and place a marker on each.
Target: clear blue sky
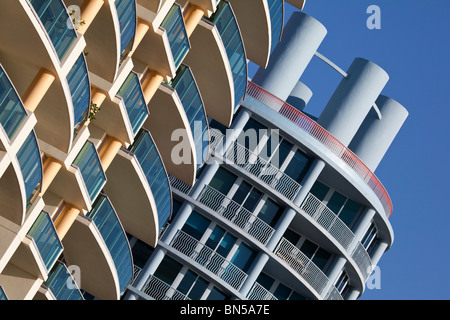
(413, 47)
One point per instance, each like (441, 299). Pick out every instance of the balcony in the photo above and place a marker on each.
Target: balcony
(86, 248)
(126, 10)
(261, 23)
(62, 285)
(302, 265)
(55, 19)
(208, 259)
(107, 222)
(30, 162)
(47, 241)
(164, 47)
(237, 214)
(314, 132)
(258, 292)
(159, 290)
(178, 125)
(139, 189)
(91, 169)
(12, 111)
(80, 88)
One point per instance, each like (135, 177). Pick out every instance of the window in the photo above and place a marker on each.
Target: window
(278, 289)
(223, 181)
(192, 285)
(168, 270)
(370, 240)
(196, 225)
(270, 212)
(298, 166)
(243, 257)
(216, 294)
(342, 283)
(141, 252)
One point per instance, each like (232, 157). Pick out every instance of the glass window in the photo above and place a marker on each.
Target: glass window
(265, 281)
(192, 285)
(336, 202)
(349, 212)
(223, 181)
(281, 153)
(216, 294)
(196, 225)
(291, 236)
(282, 292)
(141, 252)
(319, 190)
(168, 270)
(270, 212)
(242, 192)
(252, 199)
(298, 166)
(243, 257)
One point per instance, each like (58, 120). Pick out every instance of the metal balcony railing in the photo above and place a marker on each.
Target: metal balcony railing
(209, 259)
(159, 290)
(258, 292)
(321, 135)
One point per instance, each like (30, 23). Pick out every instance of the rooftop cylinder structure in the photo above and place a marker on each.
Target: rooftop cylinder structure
(353, 99)
(300, 96)
(301, 38)
(375, 135)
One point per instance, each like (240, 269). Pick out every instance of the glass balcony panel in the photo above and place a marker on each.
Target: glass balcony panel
(91, 169)
(44, 234)
(2, 294)
(62, 284)
(276, 20)
(133, 98)
(126, 10)
(12, 111)
(153, 168)
(174, 25)
(29, 158)
(187, 90)
(80, 89)
(57, 23)
(107, 222)
(225, 22)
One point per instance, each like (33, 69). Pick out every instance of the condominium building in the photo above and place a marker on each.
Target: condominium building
(139, 161)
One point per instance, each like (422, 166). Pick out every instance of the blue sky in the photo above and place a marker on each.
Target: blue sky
(413, 47)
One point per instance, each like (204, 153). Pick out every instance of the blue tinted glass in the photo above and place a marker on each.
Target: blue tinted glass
(231, 38)
(91, 169)
(108, 224)
(187, 90)
(126, 10)
(243, 257)
(56, 21)
(146, 153)
(196, 225)
(29, 159)
(12, 112)
(133, 98)
(80, 89)
(176, 32)
(2, 294)
(276, 19)
(62, 285)
(46, 239)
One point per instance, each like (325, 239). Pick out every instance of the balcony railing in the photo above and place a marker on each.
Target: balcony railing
(226, 24)
(301, 264)
(126, 10)
(173, 23)
(153, 168)
(91, 169)
(322, 136)
(258, 292)
(338, 229)
(12, 111)
(62, 284)
(209, 259)
(276, 9)
(44, 234)
(187, 90)
(262, 169)
(159, 290)
(80, 89)
(107, 222)
(133, 98)
(30, 161)
(57, 23)
(237, 214)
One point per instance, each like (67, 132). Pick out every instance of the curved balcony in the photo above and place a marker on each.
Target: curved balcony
(164, 48)
(80, 88)
(208, 259)
(261, 23)
(107, 222)
(318, 134)
(85, 248)
(62, 285)
(126, 10)
(302, 266)
(56, 22)
(139, 189)
(178, 125)
(159, 290)
(12, 111)
(47, 241)
(236, 213)
(258, 292)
